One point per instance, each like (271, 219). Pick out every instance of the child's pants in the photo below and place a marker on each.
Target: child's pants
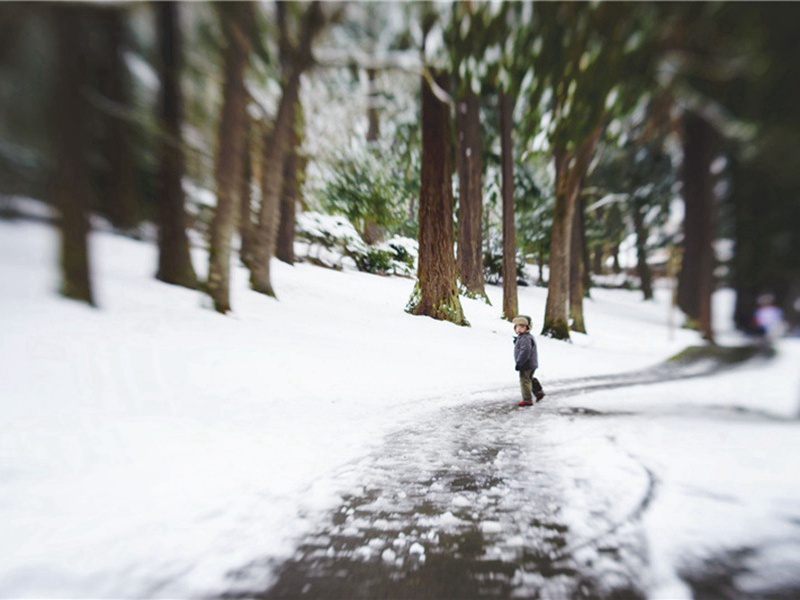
(529, 385)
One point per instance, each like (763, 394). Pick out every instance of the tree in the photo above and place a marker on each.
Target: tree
(69, 187)
(292, 168)
(510, 35)
(436, 291)
(470, 205)
(467, 46)
(570, 168)
(246, 226)
(591, 58)
(174, 259)
(577, 268)
(299, 59)
(122, 198)
(235, 19)
(509, 270)
(696, 278)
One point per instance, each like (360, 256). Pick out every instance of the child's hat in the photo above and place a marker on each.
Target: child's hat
(522, 320)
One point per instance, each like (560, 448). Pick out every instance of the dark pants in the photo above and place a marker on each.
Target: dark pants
(529, 385)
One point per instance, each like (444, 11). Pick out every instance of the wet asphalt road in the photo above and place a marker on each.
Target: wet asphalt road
(482, 517)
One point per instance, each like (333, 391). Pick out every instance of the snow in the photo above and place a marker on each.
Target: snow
(151, 446)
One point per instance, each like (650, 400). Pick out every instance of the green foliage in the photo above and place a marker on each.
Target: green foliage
(589, 59)
(493, 264)
(398, 256)
(363, 187)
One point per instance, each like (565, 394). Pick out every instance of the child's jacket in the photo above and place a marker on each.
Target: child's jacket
(525, 354)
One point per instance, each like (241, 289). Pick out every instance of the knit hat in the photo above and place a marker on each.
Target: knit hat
(522, 320)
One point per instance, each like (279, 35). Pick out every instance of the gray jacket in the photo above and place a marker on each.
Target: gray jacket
(525, 355)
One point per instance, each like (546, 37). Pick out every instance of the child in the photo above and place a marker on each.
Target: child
(527, 361)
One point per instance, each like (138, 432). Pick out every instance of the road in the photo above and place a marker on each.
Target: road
(464, 505)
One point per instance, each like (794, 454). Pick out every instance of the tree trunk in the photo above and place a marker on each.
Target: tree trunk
(570, 169)
(372, 233)
(577, 270)
(436, 290)
(587, 257)
(276, 148)
(230, 153)
(470, 206)
(373, 117)
(69, 187)
(616, 268)
(174, 260)
(285, 247)
(121, 199)
(245, 199)
(751, 246)
(642, 267)
(696, 278)
(509, 265)
(556, 323)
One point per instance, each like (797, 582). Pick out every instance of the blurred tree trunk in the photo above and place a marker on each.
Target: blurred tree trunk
(509, 265)
(436, 290)
(122, 199)
(297, 61)
(587, 256)
(752, 245)
(571, 166)
(373, 233)
(696, 277)
(645, 276)
(616, 268)
(174, 259)
(273, 167)
(577, 269)
(373, 117)
(246, 198)
(69, 188)
(470, 206)
(285, 248)
(230, 151)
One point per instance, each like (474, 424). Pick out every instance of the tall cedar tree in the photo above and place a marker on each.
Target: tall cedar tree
(299, 59)
(230, 150)
(696, 278)
(436, 291)
(174, 259)
(69, 188)
(470, 201)
(509, 266)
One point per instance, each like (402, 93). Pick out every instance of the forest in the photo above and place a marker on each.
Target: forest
(452, 142)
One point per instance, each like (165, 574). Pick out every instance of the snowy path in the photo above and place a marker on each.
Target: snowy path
(470, 504)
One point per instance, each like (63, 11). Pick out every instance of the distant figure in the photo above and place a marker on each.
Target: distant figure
(527, 361)
(768, 318)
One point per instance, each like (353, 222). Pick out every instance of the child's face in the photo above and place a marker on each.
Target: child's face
(520, 329)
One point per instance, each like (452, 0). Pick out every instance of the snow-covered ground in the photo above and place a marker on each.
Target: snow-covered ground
(151, 446)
